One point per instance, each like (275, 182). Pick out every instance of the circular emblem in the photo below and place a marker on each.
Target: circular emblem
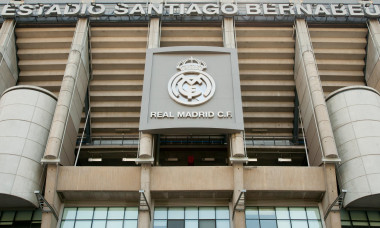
(191, 86)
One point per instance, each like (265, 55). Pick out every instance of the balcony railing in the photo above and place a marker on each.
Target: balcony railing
(111, 140)
(272, 141)
(178, 139)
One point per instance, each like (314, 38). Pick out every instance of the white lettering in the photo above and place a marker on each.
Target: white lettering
(269, 9)
(180, 114)
(54, 10)
(211, 9)
(194, 10)
(320, 10)
(253, 9)
(83, 10)
(336, 11)
(376, 12)
(71, 10)
(137, 10)
(229, 9)
(158, 10)
(172, 7)
(121, 9)
(286, 9)
(96, 10)
(25, 10)
(41, 10)
(302, 10)
(355, 10)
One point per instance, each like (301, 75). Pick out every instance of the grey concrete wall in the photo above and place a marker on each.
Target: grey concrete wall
(26, 113)
(71, 99)
(355, 117)
(316, 122)
(8, 60)
(372, 73)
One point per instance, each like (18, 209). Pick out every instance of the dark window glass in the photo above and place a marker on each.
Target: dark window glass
(206, 223)
(176, 223)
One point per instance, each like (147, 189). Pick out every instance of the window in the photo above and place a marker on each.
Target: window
(359, 219)
(24, 218)
(191, 217)
(283, 217)
(100, 217)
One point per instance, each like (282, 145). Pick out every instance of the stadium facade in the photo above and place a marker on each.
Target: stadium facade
(190, 114)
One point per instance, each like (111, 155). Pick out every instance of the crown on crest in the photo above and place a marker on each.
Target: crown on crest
(191, 64)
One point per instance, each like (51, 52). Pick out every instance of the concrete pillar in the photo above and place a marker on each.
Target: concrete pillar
(372, 72)
(333, 219)
(67, 117)
(8, 63)
(144, 216)
(146, 140)
(237, 145)
(239, 218)
(236, 140)
(48, 219)
(229, 33)
(315, 117)
(154, 33)
(66, 121)
(146, 145)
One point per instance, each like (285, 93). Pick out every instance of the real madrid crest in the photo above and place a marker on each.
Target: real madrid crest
(191, 86)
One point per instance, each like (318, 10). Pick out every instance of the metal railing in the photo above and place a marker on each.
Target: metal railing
(272, 141)
(178, 139)
(111, 140)
(186, 140)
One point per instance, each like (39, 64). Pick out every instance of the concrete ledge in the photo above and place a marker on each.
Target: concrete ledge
(196, 178)
(281, 179)
(123, 183)
(98, 179)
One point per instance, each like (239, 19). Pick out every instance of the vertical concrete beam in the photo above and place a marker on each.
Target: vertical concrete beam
(229, 33)
(144, 215)
(146, 140)
(153, 42)
(372, 73)
(236, 139)
(67, 116)
(239, 218)
(51, 196)
(8, 59)
(66, 121)
(146, 145)
(313, 107)
(154, 33)
(333, 219)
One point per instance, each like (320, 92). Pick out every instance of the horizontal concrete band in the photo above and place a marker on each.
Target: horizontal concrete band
(351, 88)
(186, 179)
(39, 89)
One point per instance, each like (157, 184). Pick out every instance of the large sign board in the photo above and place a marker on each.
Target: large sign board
(113, 10)
(191, 90)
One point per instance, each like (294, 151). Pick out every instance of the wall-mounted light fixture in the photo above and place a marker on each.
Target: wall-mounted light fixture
(284, 160)
(95, 159)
